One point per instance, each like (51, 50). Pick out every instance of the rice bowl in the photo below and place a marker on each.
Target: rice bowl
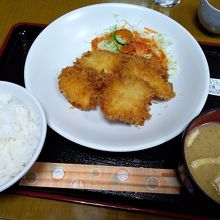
(22, 132)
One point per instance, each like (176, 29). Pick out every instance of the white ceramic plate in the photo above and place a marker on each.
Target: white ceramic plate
(69, 36)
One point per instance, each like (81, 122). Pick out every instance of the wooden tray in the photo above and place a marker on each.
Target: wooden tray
(59, 150)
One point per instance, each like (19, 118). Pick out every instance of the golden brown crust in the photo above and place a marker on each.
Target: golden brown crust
(126, 99)
(101, 61)
(122, 85)
(101, 65)
(75, 85)
(139, 67)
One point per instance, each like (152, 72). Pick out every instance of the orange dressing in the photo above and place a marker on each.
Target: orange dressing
(95, 42)
(125, 34)
(138, 45)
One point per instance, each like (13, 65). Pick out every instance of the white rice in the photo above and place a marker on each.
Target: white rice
(19, 136)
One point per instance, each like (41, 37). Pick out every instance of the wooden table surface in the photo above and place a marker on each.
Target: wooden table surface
(44, 12)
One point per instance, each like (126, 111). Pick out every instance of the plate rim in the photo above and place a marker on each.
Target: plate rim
(102, 147)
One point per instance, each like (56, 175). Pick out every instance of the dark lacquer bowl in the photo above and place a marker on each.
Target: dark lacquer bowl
(186, 174)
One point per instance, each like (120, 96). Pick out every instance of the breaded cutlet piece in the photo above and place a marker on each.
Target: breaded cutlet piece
(136, 67)
(155, 66)
(126, 99)
(77, 88)
(100, 64)
(101, 60)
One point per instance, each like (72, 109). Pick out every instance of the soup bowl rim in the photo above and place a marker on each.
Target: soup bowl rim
(193, 182)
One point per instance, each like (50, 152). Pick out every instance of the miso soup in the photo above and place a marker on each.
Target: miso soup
(202, 152)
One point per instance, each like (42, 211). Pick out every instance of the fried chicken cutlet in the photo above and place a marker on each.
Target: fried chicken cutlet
(123, 85)
(77, 88)
(126, 99)
(139, 67)
(100, 64)
(153, 64)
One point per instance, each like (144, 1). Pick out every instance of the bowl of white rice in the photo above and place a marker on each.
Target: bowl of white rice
(23, 128)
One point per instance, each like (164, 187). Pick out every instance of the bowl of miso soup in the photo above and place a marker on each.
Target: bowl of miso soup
(200, 170)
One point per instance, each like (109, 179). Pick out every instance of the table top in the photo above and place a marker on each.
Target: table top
(44, 12)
